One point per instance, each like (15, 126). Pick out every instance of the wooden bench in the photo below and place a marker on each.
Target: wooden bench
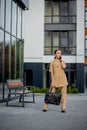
(16, 88)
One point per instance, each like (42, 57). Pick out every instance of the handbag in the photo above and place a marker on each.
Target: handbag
(52, 98)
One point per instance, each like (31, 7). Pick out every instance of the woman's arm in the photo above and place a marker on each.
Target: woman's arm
(51, 74)
(63, 64)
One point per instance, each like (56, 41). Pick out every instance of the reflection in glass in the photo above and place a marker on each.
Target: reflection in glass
(56, 12)
(22, 58)
(86, 44)
(56, 39)
(86, 52)
(7, 56)
(22, 24)
(48, 8)
(72, 7)
(19, 58)
(55, 8)
(64, 39)
(1, 55)
(8, 15)
(47, 39)
(13, 18)
(55, 19)
(2, 13)
(60, 11)
(53, 49)
(72, 38)
(48, 19)
(64, 8)
(19, 23)
(47, 51)
(13, 59)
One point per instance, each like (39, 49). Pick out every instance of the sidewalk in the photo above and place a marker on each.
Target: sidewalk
(31, 116)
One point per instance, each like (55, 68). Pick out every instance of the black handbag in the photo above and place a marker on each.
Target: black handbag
(52, 98)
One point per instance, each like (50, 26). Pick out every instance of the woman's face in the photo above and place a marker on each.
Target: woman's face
(58, 54)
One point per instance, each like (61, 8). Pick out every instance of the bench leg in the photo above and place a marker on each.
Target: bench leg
(8, 99)
(21, 99)
(33, 98)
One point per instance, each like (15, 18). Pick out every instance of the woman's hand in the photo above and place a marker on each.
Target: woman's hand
(63, 64)
(52, 85)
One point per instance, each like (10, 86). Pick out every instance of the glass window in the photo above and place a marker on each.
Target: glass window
(1, 54)
(85, 52)
(14, 7)
(48, 20)
(8, 15)
(55, 12)
(86, 15)
(22, 58)
(18, 59)
(55, 8)
(64, 8)
(72, 7)
(48, 8)
(47, 39)
(86, 24)
(13, 58)
(19, 23)
(56, 39)
(72, 38)
(64, 39)
(47, 51)
(2, 2)
(7, 56)
(85, 36)
(86, 44)
(22, 24)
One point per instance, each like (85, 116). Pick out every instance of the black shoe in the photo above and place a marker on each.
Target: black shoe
(44, 110)
(63, 111)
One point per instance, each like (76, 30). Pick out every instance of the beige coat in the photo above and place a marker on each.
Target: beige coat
(59, 75)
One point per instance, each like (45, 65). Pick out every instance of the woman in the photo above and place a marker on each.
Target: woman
(58, 79)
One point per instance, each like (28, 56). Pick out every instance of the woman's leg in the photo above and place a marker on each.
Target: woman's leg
(45, 106)
(63, 98)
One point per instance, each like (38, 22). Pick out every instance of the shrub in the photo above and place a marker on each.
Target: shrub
(70, 89)
(75, 90)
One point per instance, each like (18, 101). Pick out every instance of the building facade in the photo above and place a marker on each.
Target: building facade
(11, 42)
(52, 24)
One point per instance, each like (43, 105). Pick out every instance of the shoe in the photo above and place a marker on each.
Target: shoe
(63, 111)
(44, 110)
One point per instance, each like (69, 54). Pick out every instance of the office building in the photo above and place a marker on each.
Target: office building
(11, 41)
(52, 24)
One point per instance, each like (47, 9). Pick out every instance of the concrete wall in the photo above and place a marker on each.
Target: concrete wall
(80, 31)
(34, 32)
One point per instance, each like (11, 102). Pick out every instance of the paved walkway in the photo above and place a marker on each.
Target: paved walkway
(31, 116)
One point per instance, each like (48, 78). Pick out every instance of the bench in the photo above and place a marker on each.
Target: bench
(16, 88)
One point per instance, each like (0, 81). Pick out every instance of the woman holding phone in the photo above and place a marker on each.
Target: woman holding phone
(58, 79)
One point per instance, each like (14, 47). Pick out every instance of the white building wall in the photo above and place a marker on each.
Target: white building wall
(80, 31)
(34, 32)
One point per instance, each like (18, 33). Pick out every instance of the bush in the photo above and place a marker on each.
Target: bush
(75, 90)
(70, 89)
(40, 90)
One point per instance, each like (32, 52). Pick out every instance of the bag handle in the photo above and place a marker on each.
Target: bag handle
(51, 89)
